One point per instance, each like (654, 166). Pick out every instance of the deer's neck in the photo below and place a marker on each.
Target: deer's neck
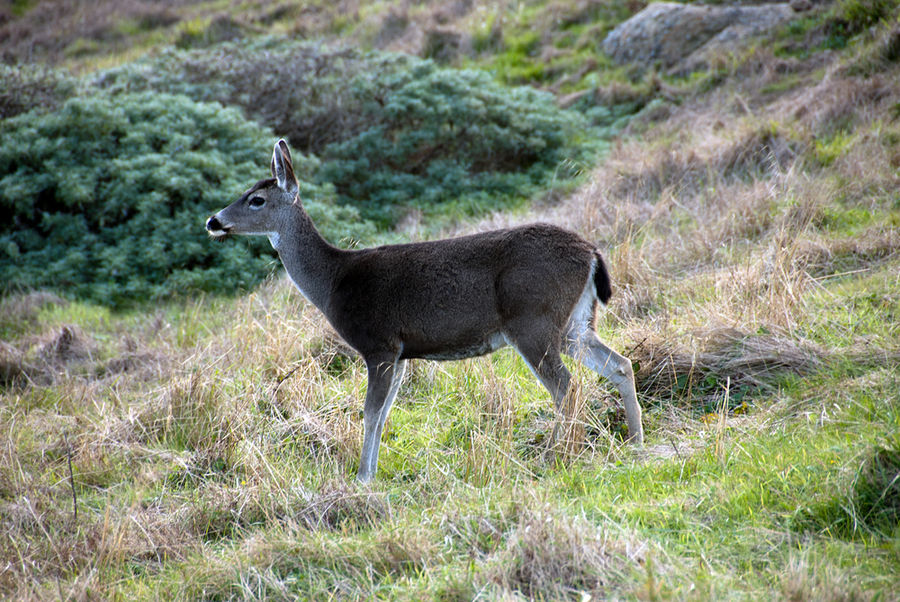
(311, 263)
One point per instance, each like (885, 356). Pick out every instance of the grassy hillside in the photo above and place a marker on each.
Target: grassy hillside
(750, 216)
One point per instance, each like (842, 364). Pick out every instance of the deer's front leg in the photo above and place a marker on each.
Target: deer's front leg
(384, 378)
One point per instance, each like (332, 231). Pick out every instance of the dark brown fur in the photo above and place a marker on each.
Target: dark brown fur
(444, 298)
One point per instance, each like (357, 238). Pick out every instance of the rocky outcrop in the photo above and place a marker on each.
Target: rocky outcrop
(684, 37)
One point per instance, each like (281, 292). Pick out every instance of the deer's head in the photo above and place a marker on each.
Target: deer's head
(263, 209)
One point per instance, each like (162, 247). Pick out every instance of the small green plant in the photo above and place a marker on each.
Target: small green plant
(862, 14)
(487, 37)
(826, 151)
(20, 7)
(192, 32)
(851, 17)
(518, 63)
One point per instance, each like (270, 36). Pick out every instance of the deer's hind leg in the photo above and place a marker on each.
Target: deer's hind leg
(540, 348)
(541, 351)
(585, 346)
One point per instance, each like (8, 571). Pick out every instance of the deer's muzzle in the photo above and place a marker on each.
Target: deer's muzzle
(216, 228)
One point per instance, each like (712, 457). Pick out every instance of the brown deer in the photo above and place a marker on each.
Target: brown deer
(534, 287)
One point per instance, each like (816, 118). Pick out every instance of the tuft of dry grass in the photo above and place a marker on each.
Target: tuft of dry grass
(830, 257)
(551, 555)
(838, 103)
(342, 507)
(68, 344)
(22, 310)
(13, 366)
(46, 358)
(43, 540)
(710, 358)
(803, 581)
(275, 563)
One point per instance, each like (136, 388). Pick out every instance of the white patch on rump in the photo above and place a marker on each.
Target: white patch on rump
(581, 321)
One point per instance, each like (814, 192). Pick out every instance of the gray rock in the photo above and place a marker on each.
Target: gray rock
(684, 37)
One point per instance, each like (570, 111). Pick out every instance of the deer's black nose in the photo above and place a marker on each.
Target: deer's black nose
(216, 228)
(213, 224)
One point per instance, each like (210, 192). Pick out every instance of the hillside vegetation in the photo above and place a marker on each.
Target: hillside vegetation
(100, 172)
(202, 446)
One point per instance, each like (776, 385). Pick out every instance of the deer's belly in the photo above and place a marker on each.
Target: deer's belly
(455, 351)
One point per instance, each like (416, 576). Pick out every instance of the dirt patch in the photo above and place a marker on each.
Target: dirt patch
(674, 450)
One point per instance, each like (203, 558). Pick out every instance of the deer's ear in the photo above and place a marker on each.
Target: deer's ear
(285, 151)
(283, 168)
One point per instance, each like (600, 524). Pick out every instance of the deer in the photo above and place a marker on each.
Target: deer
(535, 287)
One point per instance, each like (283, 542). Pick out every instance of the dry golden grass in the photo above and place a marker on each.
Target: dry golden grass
(669, 367)
(188, 426)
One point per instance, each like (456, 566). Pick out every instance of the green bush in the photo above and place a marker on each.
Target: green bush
(390, 129)
(849, 18)
(303, 91)
(106, 198)
(862, 14)
(27, 87)
(438, 135)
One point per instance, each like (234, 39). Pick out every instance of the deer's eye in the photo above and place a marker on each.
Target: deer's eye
(257, 202)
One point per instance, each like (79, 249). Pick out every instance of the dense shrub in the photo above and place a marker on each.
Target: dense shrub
(389, 129)
(27, 87)
(304, 91)
(849, 18)
(859, 15)
(441, 134)
(106, 198)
